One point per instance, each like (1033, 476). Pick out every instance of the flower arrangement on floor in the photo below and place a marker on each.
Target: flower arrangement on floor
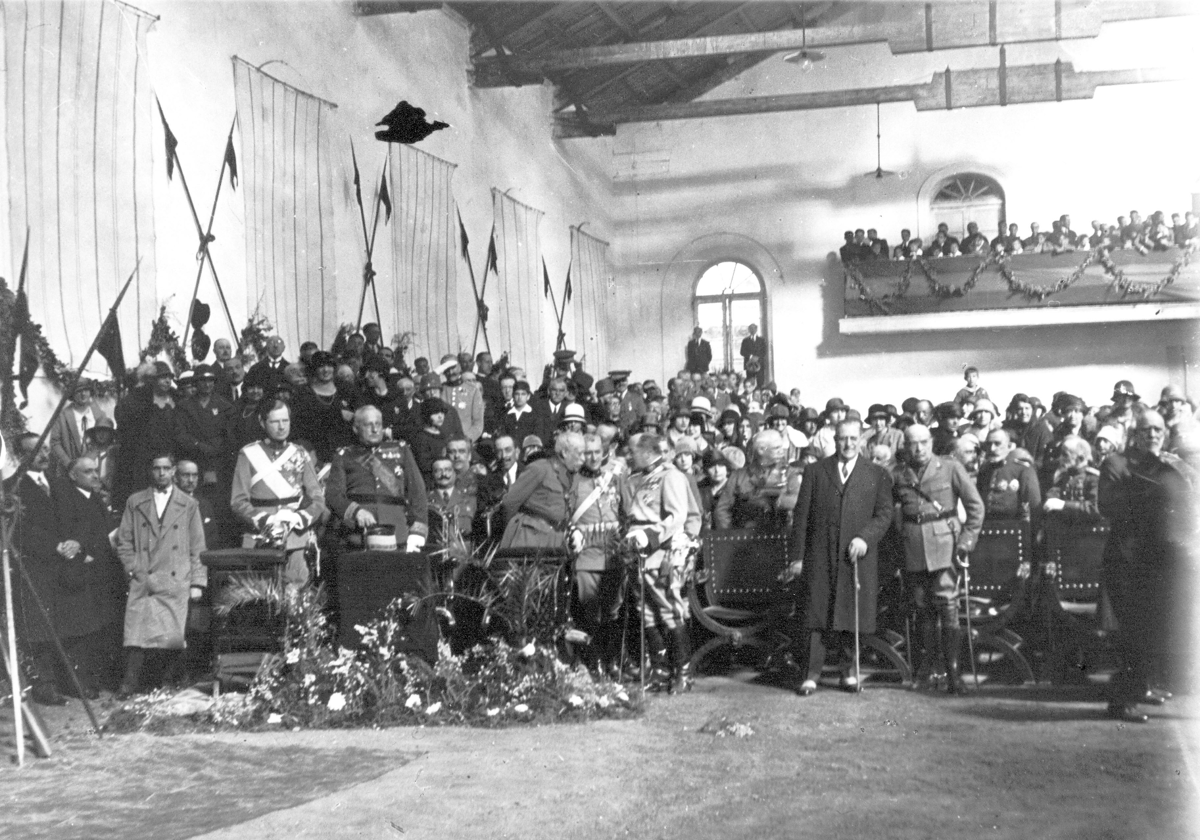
(519, 678)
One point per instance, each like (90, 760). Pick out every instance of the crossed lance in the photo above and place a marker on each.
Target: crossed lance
(228, 161)
(382, 197)
(481, 308)
(560, 343)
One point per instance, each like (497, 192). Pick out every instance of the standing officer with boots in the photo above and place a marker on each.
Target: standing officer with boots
(275, 489)
(377, 482)
(599, 574)
(655, 502)
(927, 490)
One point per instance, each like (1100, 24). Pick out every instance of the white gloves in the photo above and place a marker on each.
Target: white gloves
(638, 539)
(415, 543)
(284, 521)
(1052, 505)
(363, 518)
(575, 541)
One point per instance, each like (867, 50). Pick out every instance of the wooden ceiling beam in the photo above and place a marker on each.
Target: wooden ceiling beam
(906, 28)
(607, 83)
(975, 88)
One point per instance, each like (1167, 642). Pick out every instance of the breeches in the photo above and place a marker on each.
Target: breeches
(598, 597)
(932, 591)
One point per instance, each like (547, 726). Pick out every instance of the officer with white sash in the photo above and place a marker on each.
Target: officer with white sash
(276, 491)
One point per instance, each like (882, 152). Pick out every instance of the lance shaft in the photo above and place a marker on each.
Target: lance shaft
(206, 237)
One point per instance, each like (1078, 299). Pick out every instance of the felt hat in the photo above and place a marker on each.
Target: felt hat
(1124, 388)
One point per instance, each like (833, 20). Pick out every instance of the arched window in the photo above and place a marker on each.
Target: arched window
(969, 197)
(729, 298)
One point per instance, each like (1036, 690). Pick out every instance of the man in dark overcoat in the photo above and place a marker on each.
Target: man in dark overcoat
(845, 508)
(37, 549)
(1146, 498)
(91, 606)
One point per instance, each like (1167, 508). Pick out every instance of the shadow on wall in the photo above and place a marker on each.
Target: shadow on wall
(1059, 346)
(753, 191)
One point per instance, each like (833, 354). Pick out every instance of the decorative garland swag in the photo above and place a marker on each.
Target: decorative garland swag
(1120, 283)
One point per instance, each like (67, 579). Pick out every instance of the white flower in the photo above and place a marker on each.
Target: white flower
(622, 696)
(433, 709)
(602, 702)
(493, 712)
(274, 718)
(337, 701)
(575, 701)
(309, 679)
(520, 708)
(413, 702)
(528, 651)
(293, 656)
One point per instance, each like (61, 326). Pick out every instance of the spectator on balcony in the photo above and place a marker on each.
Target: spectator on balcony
(974, 243)
(1033, 243)
(900, 252)
(882, 248)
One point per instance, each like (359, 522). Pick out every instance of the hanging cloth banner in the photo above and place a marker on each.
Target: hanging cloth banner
(287, 172)
(592, 280)
(517, 306)
(81, 132)
(421, 295)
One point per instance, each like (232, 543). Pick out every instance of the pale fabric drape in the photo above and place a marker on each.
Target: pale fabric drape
(592, 286)
(516, 323)
(287, 172)
(79, 130)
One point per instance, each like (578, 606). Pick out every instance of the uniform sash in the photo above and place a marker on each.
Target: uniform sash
(267, 471)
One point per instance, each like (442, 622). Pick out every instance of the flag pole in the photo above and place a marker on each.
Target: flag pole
(66, 395)
(24, 464)
(208, 237)
(204, 237)
(463, 242)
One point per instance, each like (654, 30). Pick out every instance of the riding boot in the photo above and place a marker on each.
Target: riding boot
(928, 665)
(951, 642)
(681, 654)
(659, 676)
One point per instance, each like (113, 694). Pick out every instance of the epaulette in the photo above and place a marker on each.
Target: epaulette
(1093, 471)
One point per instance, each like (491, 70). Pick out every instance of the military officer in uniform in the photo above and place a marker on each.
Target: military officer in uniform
(928, 490)
(1009, 488)
(466, 398)
(275, 489)
(654, 500)
(632, 406)
(599, 573)
(377, 482)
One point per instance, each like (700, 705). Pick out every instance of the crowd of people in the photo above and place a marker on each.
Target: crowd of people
(1129, 232)
(343, 445)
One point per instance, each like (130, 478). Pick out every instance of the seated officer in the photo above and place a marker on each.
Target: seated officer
(376, 482)
(1009, 488)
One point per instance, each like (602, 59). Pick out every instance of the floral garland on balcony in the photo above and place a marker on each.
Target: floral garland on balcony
(939, 289)
(1120, 283)
(1125, 287)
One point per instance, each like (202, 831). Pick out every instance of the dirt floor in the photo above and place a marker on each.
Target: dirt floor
(1031, 762)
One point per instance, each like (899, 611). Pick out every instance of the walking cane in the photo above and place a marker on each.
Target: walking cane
(641, 561)
(966, 567)
(857, 675)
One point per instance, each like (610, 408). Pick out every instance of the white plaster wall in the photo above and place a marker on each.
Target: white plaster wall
(792, 182)
(498, 138)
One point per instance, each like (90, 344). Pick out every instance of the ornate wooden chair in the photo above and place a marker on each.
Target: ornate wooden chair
(1001, 565)
(1078, 637)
